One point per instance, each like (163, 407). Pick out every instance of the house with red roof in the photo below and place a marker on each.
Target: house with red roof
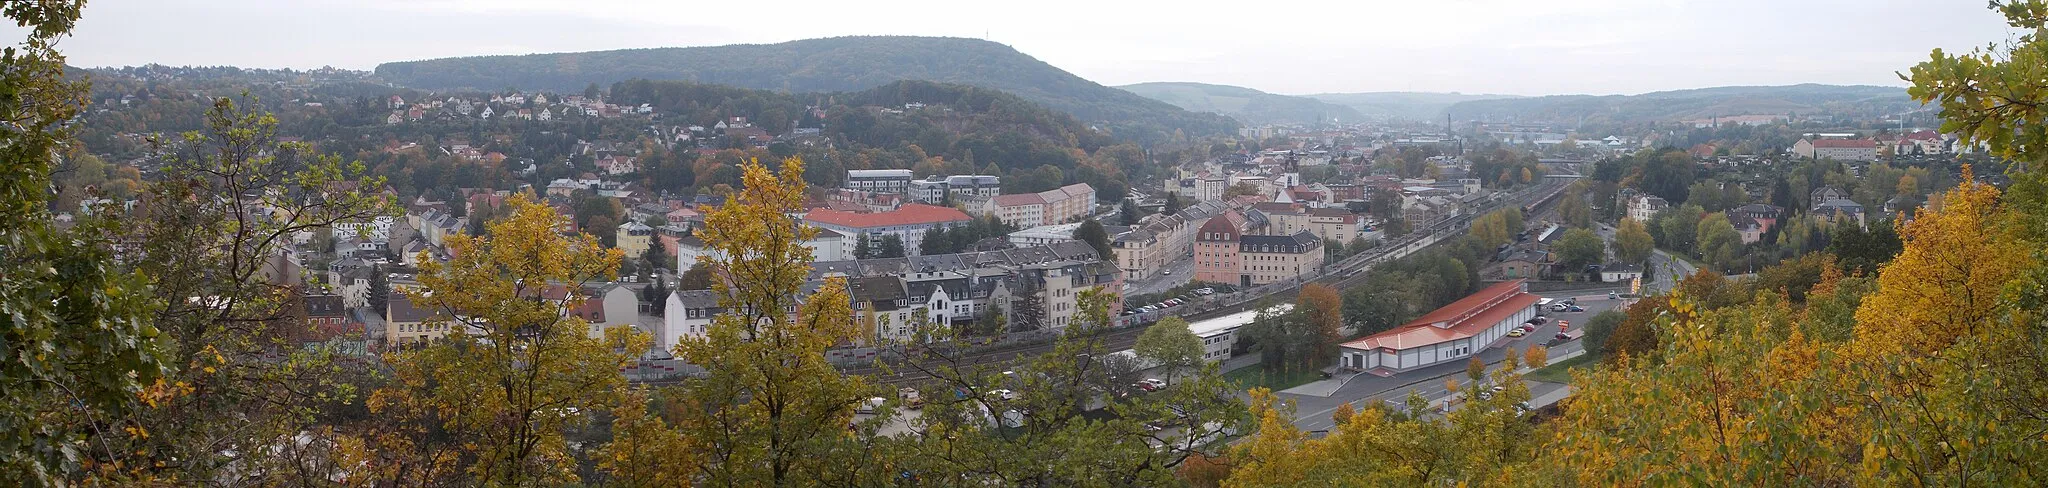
(908, 223)
(1452, 333)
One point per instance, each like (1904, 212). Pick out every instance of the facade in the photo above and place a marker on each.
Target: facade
(908, 223)
(1044, 234)
(1451, 333)
(1057, 206)
(1216, 250)
(1838, 210)
(688, 315)
(935, 190)
(1160, 239)
(634, 238)
(878, 180)
(1271, 259)
(1837, 149)
(1326, 223)
(406, 325)
(1645, 207)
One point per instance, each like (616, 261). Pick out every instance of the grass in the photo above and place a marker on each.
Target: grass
(1560, 372)
(1255, 376)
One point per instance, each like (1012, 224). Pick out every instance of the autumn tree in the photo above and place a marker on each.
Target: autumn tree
(1092, 233)
(1573, 208)
(769, 410)
(1632, 243)
(220, 221)
(518, 366)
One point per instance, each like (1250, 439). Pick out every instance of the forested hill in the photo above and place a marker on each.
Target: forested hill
(1705, 103)
(1244, 104)
(825, 65)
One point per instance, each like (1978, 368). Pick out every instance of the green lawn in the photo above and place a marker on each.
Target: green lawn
(1254, 376)
(1560, 372)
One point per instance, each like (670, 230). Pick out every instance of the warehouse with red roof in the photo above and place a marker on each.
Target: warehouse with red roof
(1451, 333)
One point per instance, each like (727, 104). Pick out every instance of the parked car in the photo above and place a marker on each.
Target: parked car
(1003, 394)
(1518, 333)
(1205, 291)
(910, 398)
(1151, 384)
(870, 405)
(1574, 308)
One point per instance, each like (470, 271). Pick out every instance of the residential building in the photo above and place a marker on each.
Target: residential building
(1837, 210)
(1272, 259)
(1837, 149)
(907, 223)
(406, 325)
(688, 315)
(935, 190)
(634, 238)
(1065, 204)
(1826, 193)
(1217, 258)
(1046, 234)
(879, 180)
(1160, 239)
(1451, 333)
(1645, 207)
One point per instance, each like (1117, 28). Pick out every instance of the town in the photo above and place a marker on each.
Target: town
(906, 260)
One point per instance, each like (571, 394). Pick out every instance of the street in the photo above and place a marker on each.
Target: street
(1181, 269)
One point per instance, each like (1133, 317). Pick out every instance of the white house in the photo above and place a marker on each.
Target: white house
(1451, 333)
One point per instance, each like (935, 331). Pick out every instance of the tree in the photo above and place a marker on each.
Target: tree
(1127, 213)
(769, 410)
(696, 278)
(1536, 356)
(861, 249)
(1719, 243)
(1599, 328)
(516, 366)
(1169, 344)
(1680, 227)
(79, 339)
(892, 247)
(1245, 188)
(1579, 248)
(1632, 243)
(1092, 233)
(264, 373)
(934, 242)
(1323, 311)
(380, 292)
(1172, 205)
(1574, 209)
(1863, 250)
(591, 91)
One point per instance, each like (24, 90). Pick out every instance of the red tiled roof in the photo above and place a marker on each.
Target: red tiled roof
(910, 214)
(1464, 318)
(1845, 143)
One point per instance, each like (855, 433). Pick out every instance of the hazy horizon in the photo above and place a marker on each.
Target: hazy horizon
(1494, 47)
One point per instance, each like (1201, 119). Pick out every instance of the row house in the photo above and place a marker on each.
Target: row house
(1061, 205)
(1159, 239)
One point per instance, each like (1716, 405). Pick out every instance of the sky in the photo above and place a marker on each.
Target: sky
(1290, 47)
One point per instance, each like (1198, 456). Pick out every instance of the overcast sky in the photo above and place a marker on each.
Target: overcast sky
(1473, 46)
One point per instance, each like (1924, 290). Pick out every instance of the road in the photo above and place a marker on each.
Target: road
(1314, 411)
(1175, 273)
(1668, 271)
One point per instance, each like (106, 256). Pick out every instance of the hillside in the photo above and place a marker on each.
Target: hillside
(824, 65)
(1703, 103)
(1402, 105)
(1244, 104)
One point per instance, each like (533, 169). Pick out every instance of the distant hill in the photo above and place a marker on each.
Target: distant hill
(1244, 104)
(1695, 104)
(1402, 105)
(838, 64)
